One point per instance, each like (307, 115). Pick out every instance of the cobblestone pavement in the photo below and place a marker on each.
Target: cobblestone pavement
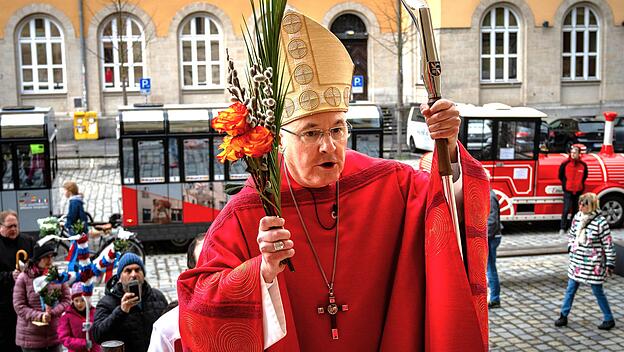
(99, 182)
(532, 290)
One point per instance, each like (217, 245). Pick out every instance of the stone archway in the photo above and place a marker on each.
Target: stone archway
(351, 31)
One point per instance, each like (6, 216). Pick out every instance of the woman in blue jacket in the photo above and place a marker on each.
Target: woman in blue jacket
(76, 212)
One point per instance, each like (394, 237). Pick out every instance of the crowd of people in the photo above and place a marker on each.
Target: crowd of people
(142, 319)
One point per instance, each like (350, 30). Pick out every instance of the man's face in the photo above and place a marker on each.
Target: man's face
(132, 272)
(10, 227)
(316, 164)
(575, 153)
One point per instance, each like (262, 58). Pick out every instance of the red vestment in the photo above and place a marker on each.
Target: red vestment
(380, 268)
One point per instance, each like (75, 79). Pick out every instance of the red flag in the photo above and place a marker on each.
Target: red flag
(456, 300)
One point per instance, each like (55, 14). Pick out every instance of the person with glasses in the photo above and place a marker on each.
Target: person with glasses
(10, 243)
(353, 226)
(592, 258)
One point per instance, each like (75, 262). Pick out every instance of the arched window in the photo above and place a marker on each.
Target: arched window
(499, 46)
(201, 53)
(580, 44)
(41, 54)
(122, 45)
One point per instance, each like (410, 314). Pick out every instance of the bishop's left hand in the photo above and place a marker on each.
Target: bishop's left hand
(443, 121)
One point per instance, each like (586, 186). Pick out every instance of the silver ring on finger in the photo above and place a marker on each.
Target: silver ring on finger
(278, 246)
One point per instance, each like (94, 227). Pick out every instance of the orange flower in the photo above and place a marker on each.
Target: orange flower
(232, 120)
(232, 149)
(258, 142)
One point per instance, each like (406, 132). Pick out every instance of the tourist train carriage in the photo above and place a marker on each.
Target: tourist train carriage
(29, 164)
(524, 176)
(173, 186)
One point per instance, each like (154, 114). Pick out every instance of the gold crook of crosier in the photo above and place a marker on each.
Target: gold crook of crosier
(21, 253)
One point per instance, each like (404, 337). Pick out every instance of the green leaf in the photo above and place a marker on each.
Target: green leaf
(232, 188)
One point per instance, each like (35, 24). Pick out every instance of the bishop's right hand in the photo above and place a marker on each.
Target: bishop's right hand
(275, 245)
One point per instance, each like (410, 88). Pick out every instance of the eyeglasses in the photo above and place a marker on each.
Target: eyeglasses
(583, 203)
(12, 226)
(313, 136)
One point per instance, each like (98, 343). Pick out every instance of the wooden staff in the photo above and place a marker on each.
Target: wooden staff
(431, 71)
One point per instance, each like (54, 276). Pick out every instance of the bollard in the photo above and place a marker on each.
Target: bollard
(112, 346)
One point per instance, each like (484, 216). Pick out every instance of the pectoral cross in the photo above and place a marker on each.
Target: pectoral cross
(332, 309)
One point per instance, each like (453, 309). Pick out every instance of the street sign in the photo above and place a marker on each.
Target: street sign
(146, 85)
(358, 84)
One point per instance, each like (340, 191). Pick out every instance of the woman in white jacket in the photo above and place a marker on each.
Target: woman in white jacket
(592, 258)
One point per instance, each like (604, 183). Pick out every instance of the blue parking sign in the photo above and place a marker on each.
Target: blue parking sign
(357, 84)
(146, 85)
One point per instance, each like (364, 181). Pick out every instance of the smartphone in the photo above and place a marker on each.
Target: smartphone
(135, 287)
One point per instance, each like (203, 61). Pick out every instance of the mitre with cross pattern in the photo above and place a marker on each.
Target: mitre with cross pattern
(319, 67)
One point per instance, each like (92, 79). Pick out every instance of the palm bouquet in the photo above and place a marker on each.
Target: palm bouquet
(253, 121)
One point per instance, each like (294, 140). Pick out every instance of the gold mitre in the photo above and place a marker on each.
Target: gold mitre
(319, 67)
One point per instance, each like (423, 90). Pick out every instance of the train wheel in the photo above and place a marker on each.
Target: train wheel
(613, 209)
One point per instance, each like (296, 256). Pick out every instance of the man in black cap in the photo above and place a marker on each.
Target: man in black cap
(120, 315)
(10, 243)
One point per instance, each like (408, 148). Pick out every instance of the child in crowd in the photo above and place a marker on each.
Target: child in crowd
(70, 329)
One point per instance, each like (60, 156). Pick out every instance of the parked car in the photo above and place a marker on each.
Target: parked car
(584, 130)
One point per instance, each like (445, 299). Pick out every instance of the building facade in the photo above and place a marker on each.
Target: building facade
(563, 56)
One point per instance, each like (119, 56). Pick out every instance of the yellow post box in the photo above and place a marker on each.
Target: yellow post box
(85, 125)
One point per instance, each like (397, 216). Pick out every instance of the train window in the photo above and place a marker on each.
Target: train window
(7, 167)
(364, 116)
(151, 167)
(219, 169)
(237, 170)
(479, 141)
(516, 140)
(197, 159)
(368, 144)
(31, 165)
(174, 161)
(128, 161)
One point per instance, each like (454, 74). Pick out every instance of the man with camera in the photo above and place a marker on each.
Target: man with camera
(129, 307)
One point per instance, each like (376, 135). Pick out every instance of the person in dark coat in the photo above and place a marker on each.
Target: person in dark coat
(494, 240)
(10, 243)
(572, 174)
(120, 315)
(75, 212)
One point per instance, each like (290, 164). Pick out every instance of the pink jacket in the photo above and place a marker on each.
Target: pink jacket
(28, 307)
(70, 331)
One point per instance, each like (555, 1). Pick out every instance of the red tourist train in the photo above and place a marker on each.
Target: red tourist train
(510, 143)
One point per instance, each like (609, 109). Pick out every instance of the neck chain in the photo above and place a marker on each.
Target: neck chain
(330, 284)
(332, 307)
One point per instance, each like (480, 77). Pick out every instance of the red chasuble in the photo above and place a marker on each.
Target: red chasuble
(382, 272)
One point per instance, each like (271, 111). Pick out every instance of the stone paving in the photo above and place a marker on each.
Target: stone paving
(99, 182)
(532, 287)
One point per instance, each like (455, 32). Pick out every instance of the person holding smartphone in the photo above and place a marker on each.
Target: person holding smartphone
(129, 308)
